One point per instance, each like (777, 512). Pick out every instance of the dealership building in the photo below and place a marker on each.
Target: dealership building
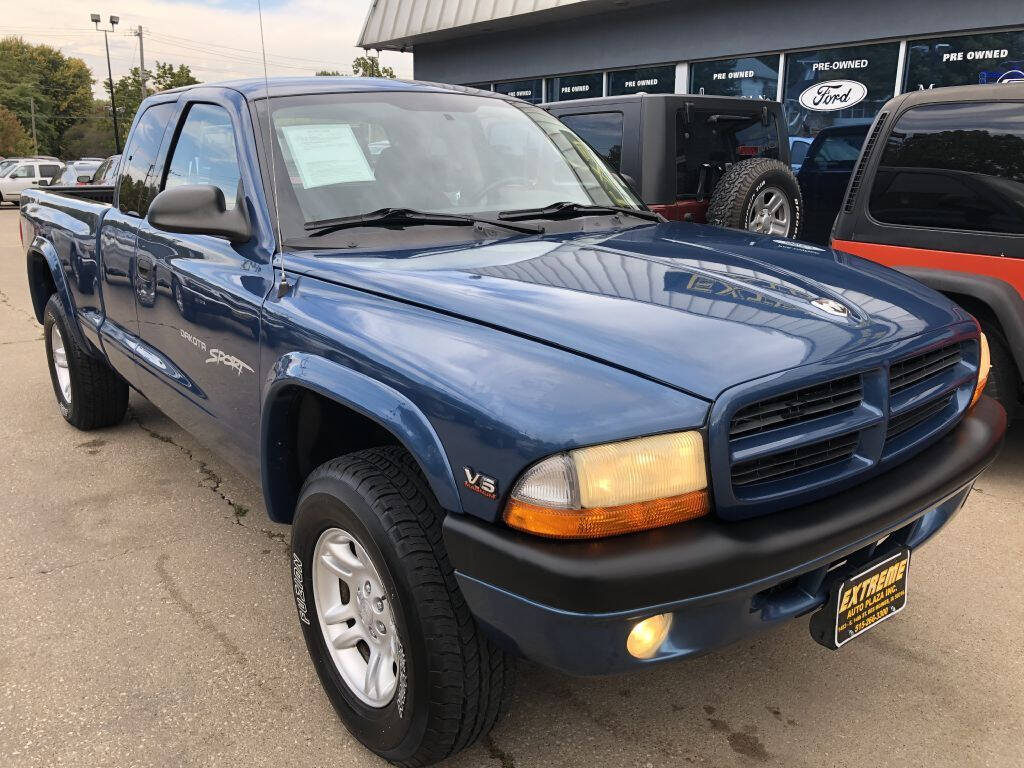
(828, 62)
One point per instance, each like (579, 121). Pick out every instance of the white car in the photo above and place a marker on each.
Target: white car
(25, 173)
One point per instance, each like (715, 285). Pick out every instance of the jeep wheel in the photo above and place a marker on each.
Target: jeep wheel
(89, 392)
(393, 642)
(759, 195)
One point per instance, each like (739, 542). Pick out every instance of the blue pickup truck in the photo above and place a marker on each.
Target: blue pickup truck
(508, 411)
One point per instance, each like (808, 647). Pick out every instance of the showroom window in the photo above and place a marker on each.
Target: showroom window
(755, 77)
(575, 87)
(995, 57)
(622, 82)
(602, 131)
(527, 90)
(954, 166)
(838, 86)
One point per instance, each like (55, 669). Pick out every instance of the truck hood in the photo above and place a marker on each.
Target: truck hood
(698, 308)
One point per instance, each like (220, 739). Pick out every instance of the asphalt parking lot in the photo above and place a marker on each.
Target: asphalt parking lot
(147, 620)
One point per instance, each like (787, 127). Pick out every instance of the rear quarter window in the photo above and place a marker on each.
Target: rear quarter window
(954, 166)
(602, 131)
(137, 186)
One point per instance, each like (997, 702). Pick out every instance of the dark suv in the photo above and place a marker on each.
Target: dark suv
(715, 159)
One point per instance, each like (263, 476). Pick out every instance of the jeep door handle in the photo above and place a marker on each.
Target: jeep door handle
(144, 267)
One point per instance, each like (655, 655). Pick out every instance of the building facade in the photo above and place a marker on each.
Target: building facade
(828, 62)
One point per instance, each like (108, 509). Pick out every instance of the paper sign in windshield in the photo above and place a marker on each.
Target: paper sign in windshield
(326, 154)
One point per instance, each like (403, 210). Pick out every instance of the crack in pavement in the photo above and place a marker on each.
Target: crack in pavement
(209, 479)
(6, 301)
(91, 561)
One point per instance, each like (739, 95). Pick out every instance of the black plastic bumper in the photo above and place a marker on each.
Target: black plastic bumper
(510, 578)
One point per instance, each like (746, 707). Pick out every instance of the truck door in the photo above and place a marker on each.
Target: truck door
(120, 329)
(199, 299)
(20, 179)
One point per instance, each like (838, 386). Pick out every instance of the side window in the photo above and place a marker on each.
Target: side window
(24, 172)
(134, 191)
(954, 166)
(713, 140)
(602, 131)
(835, 152)
(205, 152)
(48, 171)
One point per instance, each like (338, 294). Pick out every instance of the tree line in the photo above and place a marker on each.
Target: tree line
(69, 122)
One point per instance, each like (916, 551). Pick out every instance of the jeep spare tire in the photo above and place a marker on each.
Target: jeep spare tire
(760, 195)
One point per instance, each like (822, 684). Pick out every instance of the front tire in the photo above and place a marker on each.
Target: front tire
(369, 518)
(759, 195)
(89, 392)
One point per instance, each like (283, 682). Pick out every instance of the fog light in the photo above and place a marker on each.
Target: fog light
(646, 637)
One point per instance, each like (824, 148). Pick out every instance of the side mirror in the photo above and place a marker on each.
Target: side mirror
(200, 209)
(44, 182)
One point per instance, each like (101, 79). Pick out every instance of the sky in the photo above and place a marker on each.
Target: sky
(219, 40)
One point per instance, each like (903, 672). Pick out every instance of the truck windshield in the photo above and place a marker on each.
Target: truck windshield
(343, 155)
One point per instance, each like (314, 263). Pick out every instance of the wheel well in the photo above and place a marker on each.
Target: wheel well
(982, 312)
(309, 429)
(41, 285)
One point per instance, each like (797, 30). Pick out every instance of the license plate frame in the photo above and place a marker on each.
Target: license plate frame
(862, 600)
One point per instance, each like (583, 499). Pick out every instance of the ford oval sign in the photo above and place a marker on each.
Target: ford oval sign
(833, 95)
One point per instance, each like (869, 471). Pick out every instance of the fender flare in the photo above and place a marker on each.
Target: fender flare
(376, 401)
(998, 295)
(43, 249)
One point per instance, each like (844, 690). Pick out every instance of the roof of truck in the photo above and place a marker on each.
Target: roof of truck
(255, 88)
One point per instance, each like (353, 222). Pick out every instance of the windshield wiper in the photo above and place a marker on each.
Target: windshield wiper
(566, 210)
(409, 217)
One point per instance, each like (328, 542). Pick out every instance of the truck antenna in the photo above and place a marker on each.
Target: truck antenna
(283, 286)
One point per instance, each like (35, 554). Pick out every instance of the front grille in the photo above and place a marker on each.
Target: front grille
(912, 418)
(906, 373)
(786, 449)
(802, 405)
(786, 464)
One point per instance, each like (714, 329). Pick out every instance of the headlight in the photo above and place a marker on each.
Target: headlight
(612, 489)
(984, 368)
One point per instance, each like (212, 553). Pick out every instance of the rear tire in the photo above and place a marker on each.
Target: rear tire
(89, 392)
(753, 194)
(452, 682)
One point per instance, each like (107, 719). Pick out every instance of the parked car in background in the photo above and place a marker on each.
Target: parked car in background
(823, 177)
(938, 193)
(75, 173)
(716, 159)
(26, 173)
(798, 146)
(106, 174)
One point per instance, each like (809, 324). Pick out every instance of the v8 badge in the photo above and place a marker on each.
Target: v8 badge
(481, 483)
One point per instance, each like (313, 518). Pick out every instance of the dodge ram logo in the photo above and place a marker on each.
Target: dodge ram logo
(831, 306)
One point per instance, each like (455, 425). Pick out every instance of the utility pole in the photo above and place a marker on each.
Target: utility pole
(32, 106)
(142, 63)
(95, 19)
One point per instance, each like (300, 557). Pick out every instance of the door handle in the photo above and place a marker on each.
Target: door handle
(144, 267)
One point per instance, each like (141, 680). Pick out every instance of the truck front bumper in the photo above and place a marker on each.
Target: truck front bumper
(571, 605)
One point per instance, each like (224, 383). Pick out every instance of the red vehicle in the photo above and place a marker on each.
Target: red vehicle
(938, 193)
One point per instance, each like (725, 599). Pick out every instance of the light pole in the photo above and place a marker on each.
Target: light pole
(95, 19)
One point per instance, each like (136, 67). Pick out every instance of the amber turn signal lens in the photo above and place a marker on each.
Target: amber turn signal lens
(984, 368)
(596, 522)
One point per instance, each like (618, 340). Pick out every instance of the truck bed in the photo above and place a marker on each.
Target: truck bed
(98, 194)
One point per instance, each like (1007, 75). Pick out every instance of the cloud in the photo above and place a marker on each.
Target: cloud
(219, 40)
